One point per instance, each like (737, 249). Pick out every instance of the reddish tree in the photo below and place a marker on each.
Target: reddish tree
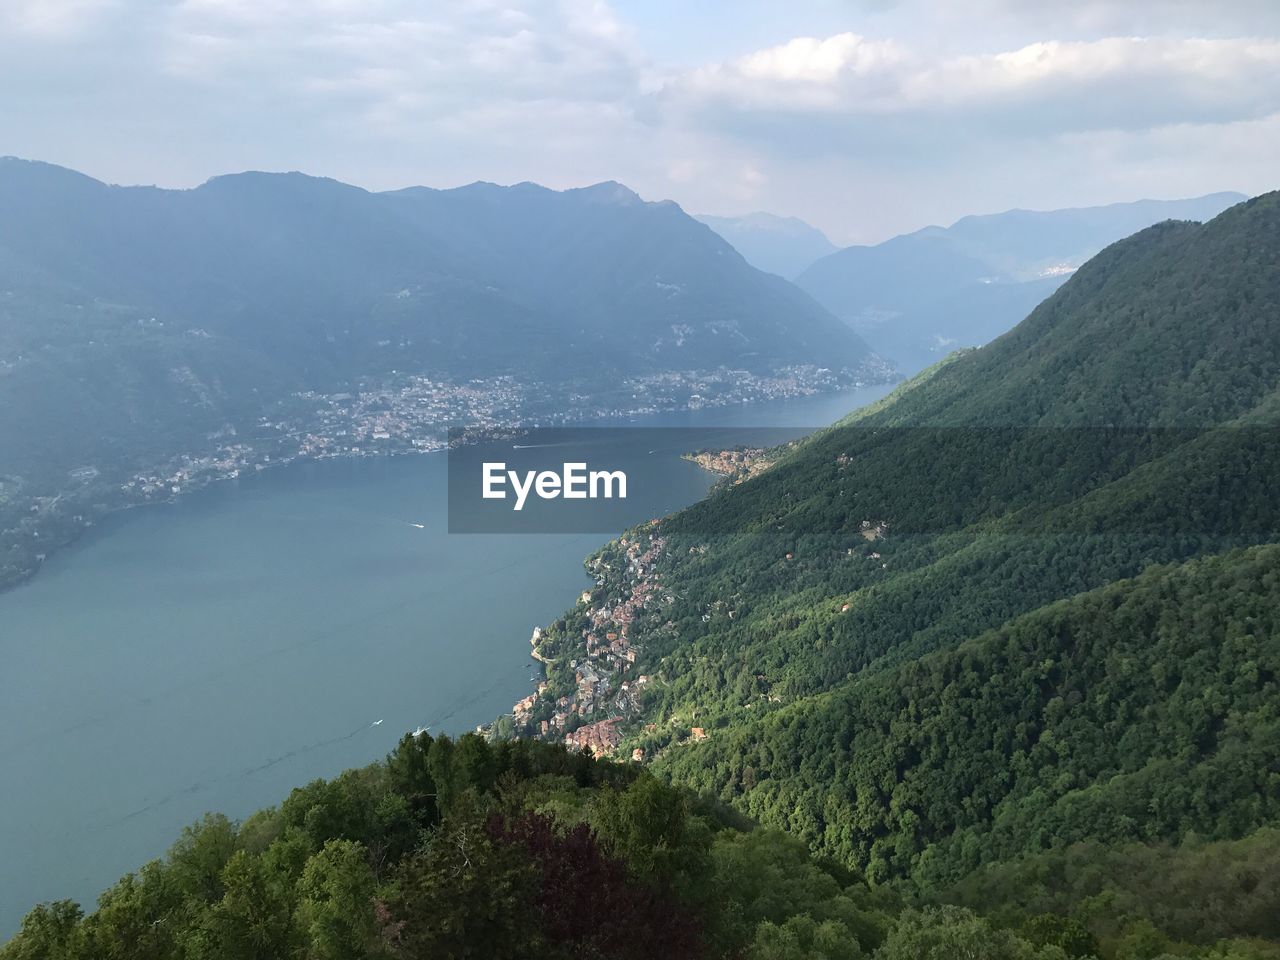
(587, 901)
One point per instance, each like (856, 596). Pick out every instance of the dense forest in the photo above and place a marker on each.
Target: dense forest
(1017, 619)
(1144, 710)
(469, 849)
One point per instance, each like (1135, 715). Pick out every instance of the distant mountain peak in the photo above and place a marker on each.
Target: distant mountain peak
(782, 245)
(272, 258)
(48, 172)
(971, 281)
(267, 179)
(766, 222)
(610, 191)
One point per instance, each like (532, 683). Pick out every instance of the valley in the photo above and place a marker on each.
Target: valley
(294, 591)
(604, 480)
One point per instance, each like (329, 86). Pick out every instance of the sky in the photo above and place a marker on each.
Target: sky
(866, 118)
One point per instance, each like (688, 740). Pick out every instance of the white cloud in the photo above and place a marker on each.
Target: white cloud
(804, 74)
(52, 19)
(404, 53)
(1129, 82)
(808, 60)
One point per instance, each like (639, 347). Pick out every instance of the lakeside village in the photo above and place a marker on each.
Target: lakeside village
(589, 656)
(406, 414)
(592, 659)
(414, 415)
(740, 463)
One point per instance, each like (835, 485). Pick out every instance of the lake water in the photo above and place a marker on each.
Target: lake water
(214, 653)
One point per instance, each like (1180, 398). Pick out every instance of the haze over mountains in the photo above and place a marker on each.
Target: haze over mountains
(919, 296)
(477, 279)
(1008, 638)
(782, 245)
(138, 323)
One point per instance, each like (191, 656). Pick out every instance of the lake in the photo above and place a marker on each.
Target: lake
(213, 653)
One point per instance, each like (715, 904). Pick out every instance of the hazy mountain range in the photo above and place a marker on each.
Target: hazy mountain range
(782, 245)
(919, 296)
(140, 326)
(1005, 643)
(319, 277)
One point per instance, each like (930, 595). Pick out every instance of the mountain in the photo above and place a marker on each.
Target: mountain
(151, 338)
(1000, 653)
(312, 274)
(919, 296)
(1025, 602)
(781, 245)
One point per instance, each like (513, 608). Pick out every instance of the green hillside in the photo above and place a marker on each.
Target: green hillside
(986, 522)
(1145, 710)
(1027, 601)
(460, 849)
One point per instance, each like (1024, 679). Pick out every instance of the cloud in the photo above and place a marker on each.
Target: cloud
(52, 19)
(403, 62)
(1065, 86)
(963, 22)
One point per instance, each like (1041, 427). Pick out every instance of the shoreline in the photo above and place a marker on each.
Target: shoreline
(91, 520)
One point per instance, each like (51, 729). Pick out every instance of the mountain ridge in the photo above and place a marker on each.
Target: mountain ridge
(921, 294)
(1116, 451)
(782, 245)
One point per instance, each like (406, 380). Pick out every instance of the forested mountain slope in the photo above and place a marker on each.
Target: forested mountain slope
(1147, 709)
(465, 849)
(1028, 600)
(459, 849)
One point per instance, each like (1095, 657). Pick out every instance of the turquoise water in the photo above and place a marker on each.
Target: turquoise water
(214, 653)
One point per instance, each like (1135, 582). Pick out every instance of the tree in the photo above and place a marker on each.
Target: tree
(409, 774)
(253, 919)
(954, 933)
(197, 860)
(802, 938)
(1066, 932)
(137, 918)
(648, 826)
(50, 932)
(465, 897)
(335, 913)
